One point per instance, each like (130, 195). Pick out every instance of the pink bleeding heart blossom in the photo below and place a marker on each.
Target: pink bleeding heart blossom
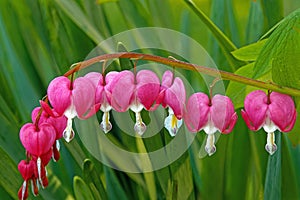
(273, 111)
(134, 92)
(103, 95)
(72, 99)
(210, 115)
(27, 170)
(37, 140)
(172, 95)
(59, 123)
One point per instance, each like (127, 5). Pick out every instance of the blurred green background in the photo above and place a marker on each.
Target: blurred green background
(41, 39)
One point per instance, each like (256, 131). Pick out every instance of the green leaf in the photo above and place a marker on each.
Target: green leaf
(73, 11)
(81, 190)
(273, 177)
(285, 64)
(225, 43)
(294, 135)
(113, 187)
(92, 178)
(279, 48)
(273, 12)
(149, 176)
(290, 179)
(249, 52)
(255, 22)
(125, 63)
(237, 91)
(182, 180)
(10, 179)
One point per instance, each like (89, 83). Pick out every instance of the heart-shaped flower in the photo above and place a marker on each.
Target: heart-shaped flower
(134, 92)
(211, 116)
(27, 170)
(172, 95)
(37, 140)
(272, 111)
(72, 99)
(103, 95)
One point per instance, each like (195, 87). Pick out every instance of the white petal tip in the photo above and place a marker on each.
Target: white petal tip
(140, 128)
(106, 127)
(271, 148)
(210, 150)
(68, 135)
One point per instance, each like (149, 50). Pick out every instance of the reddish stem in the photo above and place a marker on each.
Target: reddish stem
(184, 65)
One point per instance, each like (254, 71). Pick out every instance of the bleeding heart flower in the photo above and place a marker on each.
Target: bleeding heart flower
(37, 140)
(172, 95)
(59, 123)
(27, 169)
(72, 99)
(211, 116)
(271, 112)
(103, 95)
(134, 92)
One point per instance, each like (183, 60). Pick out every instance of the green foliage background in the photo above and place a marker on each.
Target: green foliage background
(39, 40)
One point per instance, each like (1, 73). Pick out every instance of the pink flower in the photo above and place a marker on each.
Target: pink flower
(71, 99)
(271, 112)
(59, 123)
(37, 140)
(103, 95)
(211, 116)
(134, 92)
(172, 95)
(27, 170)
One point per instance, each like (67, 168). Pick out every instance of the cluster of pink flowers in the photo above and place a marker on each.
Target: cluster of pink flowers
(125, 90)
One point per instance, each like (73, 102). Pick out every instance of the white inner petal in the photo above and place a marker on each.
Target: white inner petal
(269, 126)
(172, 124)
(209, 127)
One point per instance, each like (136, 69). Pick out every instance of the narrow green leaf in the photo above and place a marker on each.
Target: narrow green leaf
(125, 63)
(10, 179)
(290, 180)
(273, 11)
(81, 190)
(113, 187)
(249, 52)
(255, 23)
(149, 176)
(273, 176)
(294, 135)
(225, 43)
(74, 12)
(182, 179)
(92, 178)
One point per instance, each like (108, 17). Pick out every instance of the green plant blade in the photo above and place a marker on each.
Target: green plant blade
(10, 179)
(249, 52)
(280, 51)
(81, 189)
(273, 176)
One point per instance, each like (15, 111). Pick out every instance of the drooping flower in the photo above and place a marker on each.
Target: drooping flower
(59, 123)
(210, 115)
(71, 99)
(27, 170)
(272, 111)
(103, 95)
(37, 140)
(172, 95)
(134, 92)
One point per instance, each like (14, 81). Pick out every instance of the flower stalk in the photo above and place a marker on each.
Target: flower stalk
(184, 65)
